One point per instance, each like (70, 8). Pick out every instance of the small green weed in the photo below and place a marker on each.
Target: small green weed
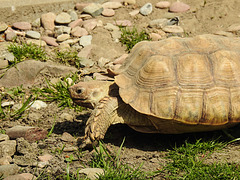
(59, 92)
(187, 162)
(26, 51)
(130, 37)
(68, 57)
(113, 167)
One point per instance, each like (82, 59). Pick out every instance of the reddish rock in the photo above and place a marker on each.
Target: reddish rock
(123, 23)
(45, 158)
(81, 6)
(163, 4)
(50, 41)
(31, 134)
(22, 25)
(76, 23)
(48, 21)
(108, 12)
(90, 24)
(79, 32)
(178, 7)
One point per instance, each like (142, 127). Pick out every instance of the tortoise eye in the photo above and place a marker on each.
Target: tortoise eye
(79, 91)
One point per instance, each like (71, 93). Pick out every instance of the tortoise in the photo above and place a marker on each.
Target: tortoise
(172, 86)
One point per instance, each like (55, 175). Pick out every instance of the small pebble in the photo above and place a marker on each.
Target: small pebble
(112, 5)
(49, 40)
(3, 64)
(9, 57)
(36, 42)
(146, 9)
(3, 26)
(108, 12)
(90, 24)
(85, 52)
(73, 15)
(155, 36)
(78, 32)
(85, 40)
(63, 37)
(62, 29)
(94, 9)
(130, 1)
(63, 18)
(38, 104)
(75, 23)
(123, 23)
(5, 104)
(22, 25)
(33, 34)
(178, 7)
(81, 6)
(163, 4)
(48, 21)
(67, 137)
(36, 22)
(45, 157)
(92, 173)
(134, 12)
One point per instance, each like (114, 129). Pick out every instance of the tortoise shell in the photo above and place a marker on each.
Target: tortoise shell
(193, 81)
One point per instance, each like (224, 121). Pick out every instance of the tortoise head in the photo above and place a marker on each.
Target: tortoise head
(88, 94)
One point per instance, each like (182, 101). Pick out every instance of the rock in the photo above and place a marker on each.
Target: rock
(100, 77)
(38, 104)
(81, 6)
(75, 23)
(11, 36)
(86, 62)
(121, 59)
(9, 57)
(99, 23)
(130, 1)
(134, 12)
(67, 137)
(63, 18)
(102, 62)
(62, 29)
(5, 160)
(3, 137)
(26, 72)
(31, 134)
(173, 29)
(3, 26)
(92, 173)
(108, 12)
(112, 5)
(163, 4)
(73, 15)
(69, 148)
(85, 52)
(234, 28)
(3, 64)
(36, 22)
(50, 41)
(22, 25)
(23, 176)
(9, 103)
(90, 24)
(63, 37)
(33, 34)
(7, 148)
(123, 23)
(85, 40)
(72, 41)
(155, 36)
(178, 7)
(45, 157)
(111, 27)
(9, 169)
(146, 9)
(158, 23)
(116, 34)
(36, 42)
(78, 32)
(94, 9)
(67, 116)
(48, 20)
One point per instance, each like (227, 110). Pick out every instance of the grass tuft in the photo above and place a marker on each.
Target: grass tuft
(68, 57)
(130, 37)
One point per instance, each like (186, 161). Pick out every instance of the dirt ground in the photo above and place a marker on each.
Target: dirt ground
(205, 16)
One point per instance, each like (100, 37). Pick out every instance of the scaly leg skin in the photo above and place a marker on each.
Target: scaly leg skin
(100, 120)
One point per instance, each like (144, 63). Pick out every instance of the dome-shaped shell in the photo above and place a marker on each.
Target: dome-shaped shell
(189, 80)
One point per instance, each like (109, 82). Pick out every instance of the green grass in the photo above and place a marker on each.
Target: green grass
(187, 162)
(113, 167)
(25, 51)
(68, 57)
(58, 92)
(130, 37)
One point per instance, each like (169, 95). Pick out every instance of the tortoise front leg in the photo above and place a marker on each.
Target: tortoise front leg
(101, 118)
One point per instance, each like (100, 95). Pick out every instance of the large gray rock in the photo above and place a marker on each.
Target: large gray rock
(30, 72)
